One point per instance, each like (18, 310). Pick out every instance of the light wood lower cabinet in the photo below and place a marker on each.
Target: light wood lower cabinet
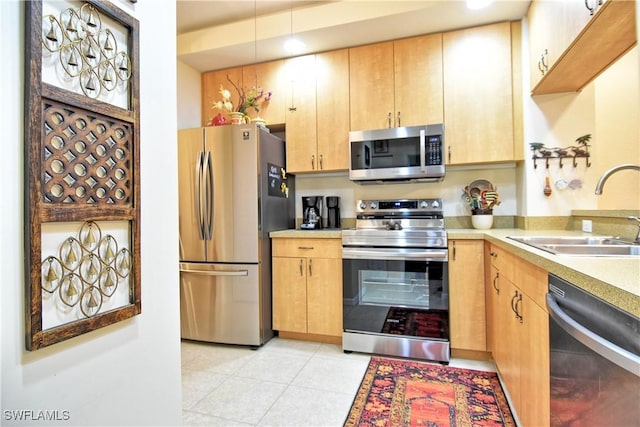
(307, 286)
(519, 333)
(467, 295)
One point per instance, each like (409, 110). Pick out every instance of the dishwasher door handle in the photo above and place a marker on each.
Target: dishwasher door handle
(610, 351)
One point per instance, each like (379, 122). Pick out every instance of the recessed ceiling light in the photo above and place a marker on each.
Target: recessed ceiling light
(478, 4)
(294, 46)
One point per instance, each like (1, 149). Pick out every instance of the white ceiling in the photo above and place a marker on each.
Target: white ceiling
(217, 34)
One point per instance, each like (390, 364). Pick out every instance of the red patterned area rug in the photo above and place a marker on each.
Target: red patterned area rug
(410, 393)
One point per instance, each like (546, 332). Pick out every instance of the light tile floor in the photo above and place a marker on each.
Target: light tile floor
(283, 383)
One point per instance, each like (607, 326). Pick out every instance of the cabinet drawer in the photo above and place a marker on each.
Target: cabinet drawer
(307, 248)
(504, 262)
(533, 281)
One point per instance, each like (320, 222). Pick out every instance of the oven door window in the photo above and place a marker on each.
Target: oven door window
(396, 297)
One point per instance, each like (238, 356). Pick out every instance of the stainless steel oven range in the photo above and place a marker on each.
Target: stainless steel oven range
(395, 280)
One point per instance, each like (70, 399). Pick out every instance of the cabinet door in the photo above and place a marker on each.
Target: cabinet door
(371, 86)
(533, 409)
(546, 41)
(210, 91)
(332, 104)
(301, 137)
(289, 294)
(478, 107)
(466, 295)
(493, 305)
(324, 296)
(418, 80)
(507, 351)
(270, 76)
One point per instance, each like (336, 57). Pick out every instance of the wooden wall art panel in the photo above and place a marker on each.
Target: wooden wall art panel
(82, 169)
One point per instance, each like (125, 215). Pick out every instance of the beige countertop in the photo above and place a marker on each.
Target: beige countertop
(309, 234)
(613, 279)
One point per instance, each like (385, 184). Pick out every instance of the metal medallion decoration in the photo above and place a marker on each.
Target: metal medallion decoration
(87, 270)
(86, 50)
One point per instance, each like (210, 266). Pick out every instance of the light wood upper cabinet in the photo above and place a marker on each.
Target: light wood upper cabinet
(318, 114)
(545, 23)
(210, 91)
(270, 77)
(300, 114)
(575, 45)
(466, 295)
(396, 83)
(418, 80)
(371, 86)
(478, 95)
(332, 109)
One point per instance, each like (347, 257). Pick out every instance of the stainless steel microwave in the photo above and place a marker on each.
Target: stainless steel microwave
(414, 153)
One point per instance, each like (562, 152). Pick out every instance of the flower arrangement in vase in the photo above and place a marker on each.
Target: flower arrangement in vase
(255, 98)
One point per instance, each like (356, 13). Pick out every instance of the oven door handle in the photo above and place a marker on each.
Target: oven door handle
(621, 357)
(395, 254)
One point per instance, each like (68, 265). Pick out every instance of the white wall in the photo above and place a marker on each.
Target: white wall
(189, 87)
(608, 109)
(127, 373)
(450, 190)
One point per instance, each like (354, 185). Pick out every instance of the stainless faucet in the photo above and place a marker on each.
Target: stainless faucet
(610, 172)
(606, 176)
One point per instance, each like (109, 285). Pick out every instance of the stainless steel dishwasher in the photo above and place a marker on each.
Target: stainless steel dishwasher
(594, 360)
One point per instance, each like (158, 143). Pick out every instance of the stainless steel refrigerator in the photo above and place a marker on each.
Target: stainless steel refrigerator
(233, 191)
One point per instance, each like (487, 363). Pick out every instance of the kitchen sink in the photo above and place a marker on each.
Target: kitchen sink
(600, 246)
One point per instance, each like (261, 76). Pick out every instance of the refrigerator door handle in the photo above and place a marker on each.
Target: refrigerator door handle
(209, 196)
(199, 184)
(215, 272)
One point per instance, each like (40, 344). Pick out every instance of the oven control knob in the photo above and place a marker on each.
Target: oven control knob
(435, 204)
(363, 205)
(373, 205)
(424, 204)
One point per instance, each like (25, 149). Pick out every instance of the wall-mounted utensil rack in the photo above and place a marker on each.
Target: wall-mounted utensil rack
(546, 154)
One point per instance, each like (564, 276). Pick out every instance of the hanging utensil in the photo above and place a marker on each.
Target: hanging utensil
(547, 187)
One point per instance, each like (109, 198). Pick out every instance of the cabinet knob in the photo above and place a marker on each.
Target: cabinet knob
(389, 118)
(313, 162)
(320, 161)
(399, 119)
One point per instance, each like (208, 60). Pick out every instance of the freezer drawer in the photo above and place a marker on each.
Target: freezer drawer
(222, 303)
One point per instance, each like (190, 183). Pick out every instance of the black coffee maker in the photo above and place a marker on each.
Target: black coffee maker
(333, 212)
(312, 212)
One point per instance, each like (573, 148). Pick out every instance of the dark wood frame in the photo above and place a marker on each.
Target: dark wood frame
(38, 211)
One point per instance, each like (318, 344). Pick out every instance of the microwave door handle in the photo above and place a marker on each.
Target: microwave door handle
(367, 157)
(422, 151)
